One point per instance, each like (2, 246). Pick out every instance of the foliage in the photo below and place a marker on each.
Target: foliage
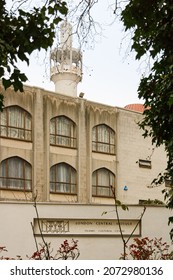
(64, 252)
(67, 251)
(151, 202)
(4, 250)
(24, 30)
(151, 23)
(124, 207)
(149, 249)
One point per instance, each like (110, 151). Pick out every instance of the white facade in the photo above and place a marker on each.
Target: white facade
(18, 237)
(99, 146)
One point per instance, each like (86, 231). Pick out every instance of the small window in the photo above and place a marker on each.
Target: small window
(103, 181)
(103, 139)
(168, 183)
(62, 132)
(15, 123)
(15, 174)
(63, 179)
(145, 163)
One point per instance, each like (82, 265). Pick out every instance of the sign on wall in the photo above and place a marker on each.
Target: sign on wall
(54, 227)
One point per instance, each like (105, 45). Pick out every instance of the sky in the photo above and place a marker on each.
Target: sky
(110, 73)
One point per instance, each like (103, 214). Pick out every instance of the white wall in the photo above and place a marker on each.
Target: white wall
(16, 233)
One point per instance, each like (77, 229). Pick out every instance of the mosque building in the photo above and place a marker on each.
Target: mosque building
(73, 157)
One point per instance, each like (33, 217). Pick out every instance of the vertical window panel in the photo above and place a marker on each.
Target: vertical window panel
(63, 132)
(15, 173)
(103, 139)
(102, 182)
(63, 179)
(15, 122)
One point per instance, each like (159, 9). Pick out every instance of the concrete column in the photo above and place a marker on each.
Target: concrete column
(38, 146)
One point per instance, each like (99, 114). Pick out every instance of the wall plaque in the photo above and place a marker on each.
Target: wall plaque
(55, 227)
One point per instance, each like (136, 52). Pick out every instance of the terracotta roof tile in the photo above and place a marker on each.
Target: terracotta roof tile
(135, 107)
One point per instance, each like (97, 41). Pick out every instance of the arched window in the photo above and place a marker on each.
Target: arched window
(63, 132)
(63, 179)
(15, 173)
(103, 139)
(103, 183)
(15, 122)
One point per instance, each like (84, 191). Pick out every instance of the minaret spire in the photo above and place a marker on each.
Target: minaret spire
(66, 63)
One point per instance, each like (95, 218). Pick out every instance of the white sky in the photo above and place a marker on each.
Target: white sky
(110, 73)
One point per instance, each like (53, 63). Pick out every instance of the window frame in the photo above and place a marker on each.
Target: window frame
(96, 142)
(8, 126)
(24, 179)
(98, 186)
(56, 182)
(57, 136)
(144, 163)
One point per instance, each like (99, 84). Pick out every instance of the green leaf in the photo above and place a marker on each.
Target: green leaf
(124, 207)
(57, 20)
(170, 220)
(1, 102)
(104, 213)
(51, 10)
(1, 71)
(118, 202)
(170, 101)
(23, 77)
(171, 234)
(6, 83)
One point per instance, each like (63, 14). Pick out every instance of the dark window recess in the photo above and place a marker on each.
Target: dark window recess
(103, 139)
(145, 163)
(63, 132)
(168, 183)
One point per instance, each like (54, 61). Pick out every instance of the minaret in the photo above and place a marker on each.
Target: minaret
(66, 63)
